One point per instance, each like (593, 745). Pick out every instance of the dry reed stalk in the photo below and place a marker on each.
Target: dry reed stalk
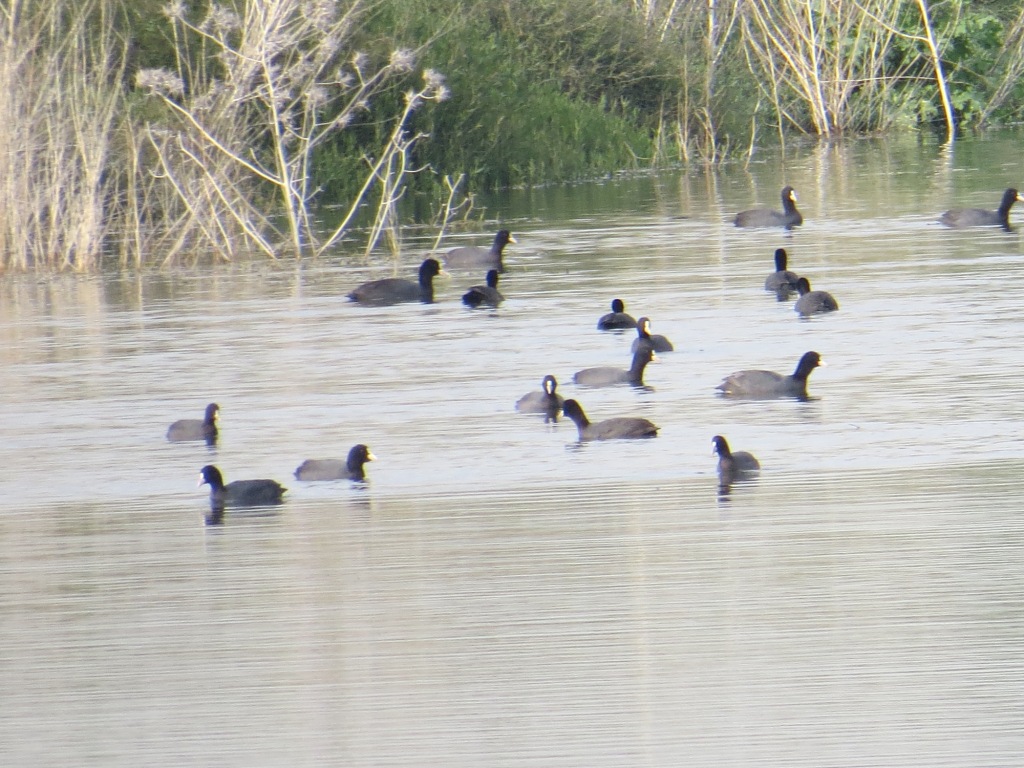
(383, 170)
(60, 66)
(933, 43)
(272, 86)
(940, 78)
(705, 28)
(822, 53)
(1010, 65)
(450, 209)
(655, 16)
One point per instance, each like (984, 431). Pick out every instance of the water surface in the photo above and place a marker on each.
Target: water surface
(498, 594)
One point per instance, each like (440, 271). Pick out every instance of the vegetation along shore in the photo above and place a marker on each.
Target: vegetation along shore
(161, 132)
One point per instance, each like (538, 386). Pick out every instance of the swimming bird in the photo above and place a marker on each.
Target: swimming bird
(621, 427)
(240, 493)
(813, 302)
(759, 384)
(336, 469)
(484, 294)
(617, 318)
(781, 282)
(196, 429)
(643, 334)
(606, 376)
(547, 401)
(395, 290)
(732, 464)
(958, 218)
(763, 217)
(470, 256)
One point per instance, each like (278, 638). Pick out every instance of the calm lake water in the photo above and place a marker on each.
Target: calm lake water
(496, 594)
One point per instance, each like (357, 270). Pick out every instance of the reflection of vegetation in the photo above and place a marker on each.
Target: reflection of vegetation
(221, 125)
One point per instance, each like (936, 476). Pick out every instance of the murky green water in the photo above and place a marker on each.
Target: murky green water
(497, 594)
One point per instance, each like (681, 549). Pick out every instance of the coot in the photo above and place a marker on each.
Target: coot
(336, 469)
(240, 493)
(547, 401)
(763, 217)
(395, 290)
(621, 427)
(196, 429)
(617, 318)
(813, 302)
(606, 376)
(781, 281)
(470, 256)
(484, 294)
(733, 463)
(979, 217)
(767, 384)
(643, 334)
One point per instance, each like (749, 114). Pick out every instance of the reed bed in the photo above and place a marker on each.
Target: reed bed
(208, 160)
